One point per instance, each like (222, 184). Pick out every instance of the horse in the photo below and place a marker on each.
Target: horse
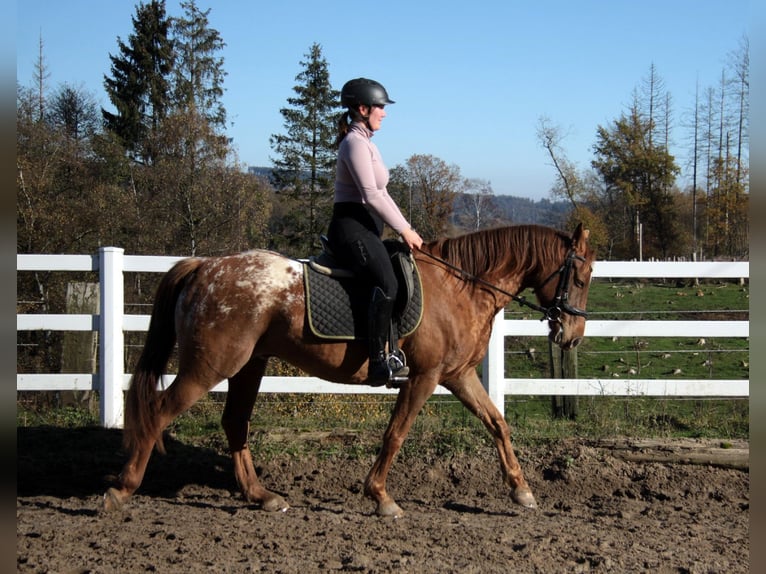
(229, 314)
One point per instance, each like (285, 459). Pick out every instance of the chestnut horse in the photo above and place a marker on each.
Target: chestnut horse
(230, 314)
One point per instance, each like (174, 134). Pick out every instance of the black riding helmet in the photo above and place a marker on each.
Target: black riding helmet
(363, 92)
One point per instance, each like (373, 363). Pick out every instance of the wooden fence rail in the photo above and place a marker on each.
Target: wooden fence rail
(111, 263)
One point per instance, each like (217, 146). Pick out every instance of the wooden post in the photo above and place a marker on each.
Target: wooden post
(563, 366)
(80, 348)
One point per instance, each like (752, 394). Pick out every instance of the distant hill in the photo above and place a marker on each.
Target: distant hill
(508, 209)
(525, 210)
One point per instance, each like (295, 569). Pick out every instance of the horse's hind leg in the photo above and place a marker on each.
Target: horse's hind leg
(182, 393)
(472, 394)
(243, 390)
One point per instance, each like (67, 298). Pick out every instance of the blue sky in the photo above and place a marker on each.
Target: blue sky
(470, 81)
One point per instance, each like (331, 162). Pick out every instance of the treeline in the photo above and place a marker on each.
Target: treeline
(630, 193)
(156, 174)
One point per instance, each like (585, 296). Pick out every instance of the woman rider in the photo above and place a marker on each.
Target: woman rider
(362, 205)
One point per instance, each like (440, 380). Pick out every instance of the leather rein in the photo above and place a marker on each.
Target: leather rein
(560, 301)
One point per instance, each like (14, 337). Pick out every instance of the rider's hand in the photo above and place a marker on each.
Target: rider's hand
(412, 238)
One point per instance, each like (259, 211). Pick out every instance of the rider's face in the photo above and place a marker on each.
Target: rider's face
(375, 116)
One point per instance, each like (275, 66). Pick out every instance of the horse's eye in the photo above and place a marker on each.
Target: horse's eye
(579, 283)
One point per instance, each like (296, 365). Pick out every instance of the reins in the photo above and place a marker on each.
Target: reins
(552, 313)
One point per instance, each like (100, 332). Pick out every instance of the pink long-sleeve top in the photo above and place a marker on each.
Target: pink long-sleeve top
(362, 177)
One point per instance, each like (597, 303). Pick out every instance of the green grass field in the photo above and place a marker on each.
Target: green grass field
(648, 357)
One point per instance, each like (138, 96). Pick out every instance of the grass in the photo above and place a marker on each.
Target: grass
(352, 425)
(649, 357)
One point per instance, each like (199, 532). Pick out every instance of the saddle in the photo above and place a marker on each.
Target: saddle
(337, 300)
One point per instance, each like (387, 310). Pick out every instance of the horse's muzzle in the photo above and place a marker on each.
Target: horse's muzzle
(558, 339)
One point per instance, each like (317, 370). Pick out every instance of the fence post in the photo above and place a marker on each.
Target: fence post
(493, 365)
(563, 366)
(111, 336)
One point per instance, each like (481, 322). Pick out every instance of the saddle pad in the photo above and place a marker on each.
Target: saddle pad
(337, 308)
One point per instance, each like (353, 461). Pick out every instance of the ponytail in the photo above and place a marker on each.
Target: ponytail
(344, 121)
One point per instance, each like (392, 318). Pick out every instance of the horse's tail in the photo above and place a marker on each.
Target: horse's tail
(143, 400)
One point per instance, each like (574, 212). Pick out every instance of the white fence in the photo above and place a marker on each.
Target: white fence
(111, 380)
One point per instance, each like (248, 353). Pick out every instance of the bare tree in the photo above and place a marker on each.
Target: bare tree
(740, 82)
(476, 206)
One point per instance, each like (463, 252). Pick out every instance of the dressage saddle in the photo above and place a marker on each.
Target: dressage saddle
(337, 300)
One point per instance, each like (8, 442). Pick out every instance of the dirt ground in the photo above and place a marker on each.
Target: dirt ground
(599, 511)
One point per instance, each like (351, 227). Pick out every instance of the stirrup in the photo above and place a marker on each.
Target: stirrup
(398, 370)
(395, 375)
(397, 364)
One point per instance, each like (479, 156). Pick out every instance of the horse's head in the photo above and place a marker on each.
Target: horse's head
(564, 291)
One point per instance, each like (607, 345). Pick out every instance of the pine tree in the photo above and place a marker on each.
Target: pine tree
(304, 169)
(139, 86)
(199, 69)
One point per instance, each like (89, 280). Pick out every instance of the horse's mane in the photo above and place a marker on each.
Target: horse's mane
(514, 248)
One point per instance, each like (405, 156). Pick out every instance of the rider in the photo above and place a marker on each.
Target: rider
(362, 205)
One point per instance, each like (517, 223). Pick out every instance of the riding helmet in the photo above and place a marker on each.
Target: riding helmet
(363, 92)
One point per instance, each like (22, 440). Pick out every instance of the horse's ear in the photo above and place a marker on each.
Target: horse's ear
(580, 237)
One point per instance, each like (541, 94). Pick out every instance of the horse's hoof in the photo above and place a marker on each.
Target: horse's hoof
(112, 500)
(390, 509)
(525, 498)
(275, 504)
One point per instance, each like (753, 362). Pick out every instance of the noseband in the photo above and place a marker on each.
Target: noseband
(560, 301)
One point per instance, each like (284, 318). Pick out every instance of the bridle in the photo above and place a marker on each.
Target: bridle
(560, 301)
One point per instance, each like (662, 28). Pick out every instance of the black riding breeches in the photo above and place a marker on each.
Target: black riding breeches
(355, 237)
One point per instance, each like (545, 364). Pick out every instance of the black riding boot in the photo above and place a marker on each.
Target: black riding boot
(382, 370)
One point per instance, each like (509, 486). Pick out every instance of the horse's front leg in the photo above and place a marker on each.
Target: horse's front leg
(410, 401)
(470, 391)
(243, 390)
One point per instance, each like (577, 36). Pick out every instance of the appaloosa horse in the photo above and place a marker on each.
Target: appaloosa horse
(230, 314)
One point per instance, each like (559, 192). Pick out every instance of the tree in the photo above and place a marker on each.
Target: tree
(305, 164)
(740, 86)
(74, 112)
(139, 87)
(41, 78)
(577, 188)
(198, 70)
(568, 183)
(653, 105)
(722, 154)
(192, 170)
(476, 207)
(638, 175)
(428, 187)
